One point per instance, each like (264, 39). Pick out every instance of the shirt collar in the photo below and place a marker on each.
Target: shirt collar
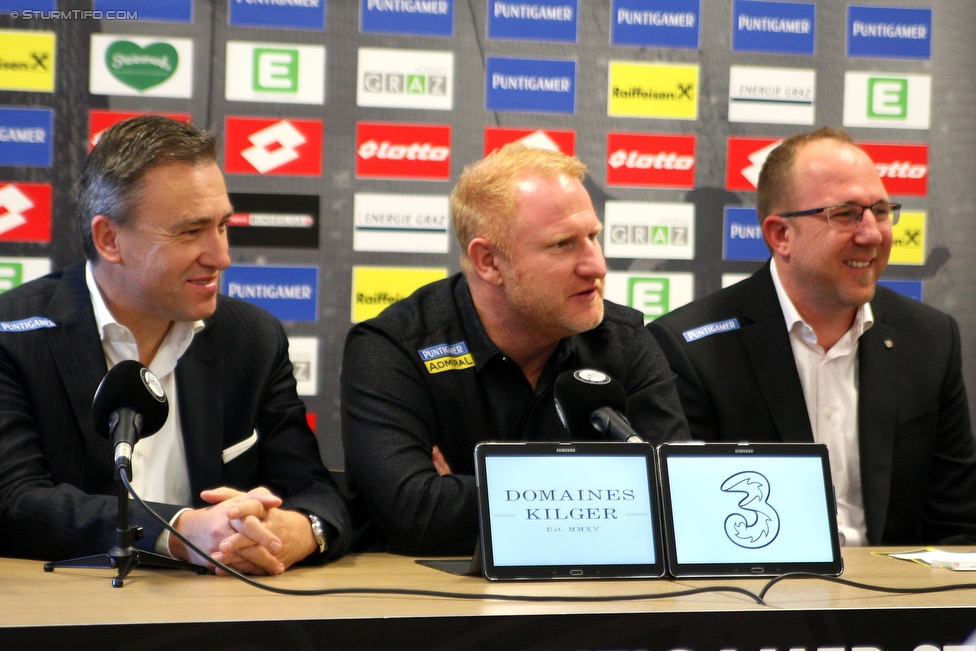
(111, 330)
(479, 343)
(863, 319)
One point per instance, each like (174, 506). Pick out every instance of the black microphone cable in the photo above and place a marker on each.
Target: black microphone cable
(426, 593)
(864, 586)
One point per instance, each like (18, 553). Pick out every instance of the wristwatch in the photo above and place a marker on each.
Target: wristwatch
(318, 531)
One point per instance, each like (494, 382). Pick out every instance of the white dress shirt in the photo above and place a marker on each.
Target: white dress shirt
(830, 389)
(159, 470)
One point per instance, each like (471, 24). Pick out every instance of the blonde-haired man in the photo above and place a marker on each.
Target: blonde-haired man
(474, 357)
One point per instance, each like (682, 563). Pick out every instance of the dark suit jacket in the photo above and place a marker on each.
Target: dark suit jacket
(918, 458)
(57, 492)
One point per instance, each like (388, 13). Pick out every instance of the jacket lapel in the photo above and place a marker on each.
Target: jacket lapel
(767, 343)
(83, 366)
(201, 412)
(877, 417)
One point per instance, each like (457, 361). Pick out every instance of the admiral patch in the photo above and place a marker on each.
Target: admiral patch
(446, 357)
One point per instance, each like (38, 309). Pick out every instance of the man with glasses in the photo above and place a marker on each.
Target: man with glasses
(810, 349)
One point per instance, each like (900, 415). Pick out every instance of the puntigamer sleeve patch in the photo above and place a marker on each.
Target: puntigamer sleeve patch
(710, 329)
(446, 357)
(24, 325)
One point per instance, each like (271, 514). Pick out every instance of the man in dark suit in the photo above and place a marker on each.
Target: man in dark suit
(235, 468)
(809, 349)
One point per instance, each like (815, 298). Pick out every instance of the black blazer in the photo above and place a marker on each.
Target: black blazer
(57, 492)
(918, 458)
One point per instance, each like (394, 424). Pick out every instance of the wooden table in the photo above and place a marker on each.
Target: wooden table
(163, 609)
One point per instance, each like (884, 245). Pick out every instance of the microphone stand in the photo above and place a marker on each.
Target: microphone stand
(123, 555)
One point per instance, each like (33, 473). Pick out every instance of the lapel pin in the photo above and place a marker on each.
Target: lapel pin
(889, 344)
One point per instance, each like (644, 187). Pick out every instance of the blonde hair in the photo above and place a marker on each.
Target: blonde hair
(483, 203)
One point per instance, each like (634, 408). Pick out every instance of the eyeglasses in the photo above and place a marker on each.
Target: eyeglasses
(847, 216)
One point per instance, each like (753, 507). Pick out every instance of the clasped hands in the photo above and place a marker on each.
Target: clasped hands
(246, 531)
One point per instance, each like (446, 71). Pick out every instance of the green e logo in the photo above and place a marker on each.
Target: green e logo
(649, 295)
(11, 275)
(275, 70)
(887, 98)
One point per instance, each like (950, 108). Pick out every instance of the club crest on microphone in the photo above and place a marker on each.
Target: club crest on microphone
(152, 383)
(590, 376)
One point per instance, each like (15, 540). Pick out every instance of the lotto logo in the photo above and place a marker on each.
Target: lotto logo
(551, 139)
(903, 168)
(745, 160)
(403, 151)
(266, 146)
(25, 212)
(651, 160)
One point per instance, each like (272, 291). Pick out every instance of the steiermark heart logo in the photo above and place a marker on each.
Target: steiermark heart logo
(141, 67)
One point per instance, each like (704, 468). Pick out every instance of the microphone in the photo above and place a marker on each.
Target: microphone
(588, 400)
(130, 403)
(614, 425)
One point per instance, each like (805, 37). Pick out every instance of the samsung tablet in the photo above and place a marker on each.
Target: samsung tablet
(568, 510)
(748, 509)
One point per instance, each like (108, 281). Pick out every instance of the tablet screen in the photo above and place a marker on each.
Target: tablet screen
(570, 510)
(749, 509)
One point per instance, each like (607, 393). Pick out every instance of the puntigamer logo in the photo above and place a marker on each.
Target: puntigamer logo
(773, 27)
(542, 20)
(414, 17)
(891, 32)
(25, 137)
(532, 85)
(444, 357)
(655, 23)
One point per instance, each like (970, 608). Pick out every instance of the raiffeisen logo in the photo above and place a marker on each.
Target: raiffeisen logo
(651, 160)
(653, 90)
(27, 59)
(403, 151)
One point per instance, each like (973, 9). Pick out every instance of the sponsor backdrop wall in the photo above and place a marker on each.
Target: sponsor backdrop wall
(346, 123)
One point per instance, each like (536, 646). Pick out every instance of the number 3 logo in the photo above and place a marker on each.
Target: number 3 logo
(759, 525)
